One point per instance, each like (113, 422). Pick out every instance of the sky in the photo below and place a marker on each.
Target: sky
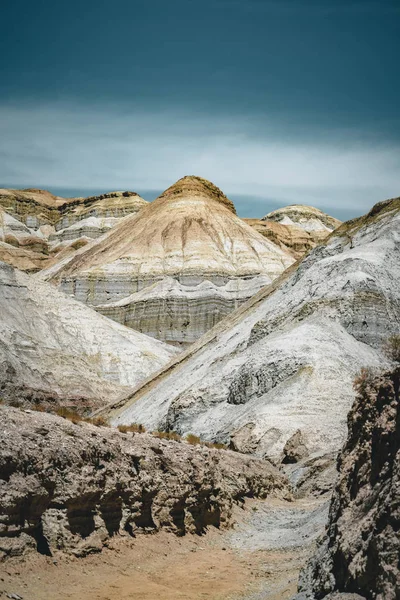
(276, 102)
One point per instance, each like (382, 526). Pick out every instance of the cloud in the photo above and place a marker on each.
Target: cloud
(79, 147)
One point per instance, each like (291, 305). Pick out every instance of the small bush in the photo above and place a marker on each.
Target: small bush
(364, 380)
(167, 435)
(98, 421)
(193, 439)
(12, 240)
(71, 415)
(79, 243)
(217, 445)
(392, 348)
(134, 427)
(15, 403)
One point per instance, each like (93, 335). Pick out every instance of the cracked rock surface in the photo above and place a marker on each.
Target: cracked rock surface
(360, 552)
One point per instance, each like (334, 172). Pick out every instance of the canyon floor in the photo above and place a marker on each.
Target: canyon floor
(258, 559)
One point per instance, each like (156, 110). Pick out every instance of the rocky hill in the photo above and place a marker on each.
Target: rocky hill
(54, 350)
(38, 229)
(285, 361)
(176, 269)
(70, 487)
(360, 552)
(291, 238)
(312, 220)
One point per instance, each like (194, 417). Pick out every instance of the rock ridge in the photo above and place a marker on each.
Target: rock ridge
(70, 488)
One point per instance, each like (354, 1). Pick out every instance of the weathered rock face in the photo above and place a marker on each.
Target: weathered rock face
(71, 487)
(177, 268)
(286, 360)
(312, 220)
(56, 350)
(38, 229)
(291, 238)
(20, 246)
(360, 553)
(38, 207)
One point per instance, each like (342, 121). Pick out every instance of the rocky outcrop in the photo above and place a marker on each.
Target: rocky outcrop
(70, 488)
(54, 350)
(35, 207)
(21, 246)
(312, 220)
(291, 238)
(360, 552)
(286, 360)
(177, 268)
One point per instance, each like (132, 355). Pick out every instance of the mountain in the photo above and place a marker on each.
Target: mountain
(360, 551)
(38, 229)
(285, 361)
(178, 267)
(54, 350)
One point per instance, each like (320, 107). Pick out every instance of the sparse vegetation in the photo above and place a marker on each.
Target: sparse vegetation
(392, 348)
(98, 421)
(71, 415)
(76, 418)
(78, 244)
(134, 428)
(216, 445)
(167, 435)
(15, 403)
(364, 379)
(193, 439)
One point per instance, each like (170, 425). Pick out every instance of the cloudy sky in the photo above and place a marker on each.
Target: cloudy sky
(276, 102)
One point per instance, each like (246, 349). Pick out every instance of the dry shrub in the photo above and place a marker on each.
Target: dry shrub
(392, 348)
(33, 241)
(98, 421)
(71, 415)
(12, 240)
(78, 244)
(167, 435)
(364, 380)
(134, 428)
(217, 445)
(193, 439)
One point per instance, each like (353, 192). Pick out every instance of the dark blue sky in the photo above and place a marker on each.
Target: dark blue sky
(268, 99)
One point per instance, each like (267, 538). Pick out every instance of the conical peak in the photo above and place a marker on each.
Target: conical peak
(191, 186)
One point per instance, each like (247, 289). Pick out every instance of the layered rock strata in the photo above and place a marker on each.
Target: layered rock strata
(70, 488)
(54, 350)
(285, 361)
(312, 220)
(360, 552)
(42, 229)
(177, 268)
(21, 246)
(291, 238)
(38, 207)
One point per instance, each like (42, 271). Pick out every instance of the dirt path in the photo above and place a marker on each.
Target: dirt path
(258, 560)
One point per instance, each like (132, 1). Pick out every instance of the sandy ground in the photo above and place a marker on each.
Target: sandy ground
(217, 566)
